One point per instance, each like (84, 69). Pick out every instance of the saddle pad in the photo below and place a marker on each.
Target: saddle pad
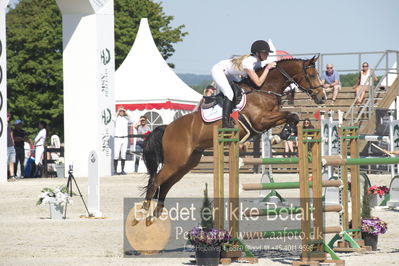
(215, 113)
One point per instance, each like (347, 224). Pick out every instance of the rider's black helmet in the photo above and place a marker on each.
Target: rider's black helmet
(260, 46)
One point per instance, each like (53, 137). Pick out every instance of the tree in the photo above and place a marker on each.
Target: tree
(34, 54)
(348, 80)
(34, 64)
(127, 20)
(201, 86)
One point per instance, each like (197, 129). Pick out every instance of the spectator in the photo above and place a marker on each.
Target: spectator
(122, 121)
(10, 150)
(290, 143)
(142, 129)
(330, 81)
(307, 124)
(363, 82)
(40, 142)
(208, 91)
(20, 137)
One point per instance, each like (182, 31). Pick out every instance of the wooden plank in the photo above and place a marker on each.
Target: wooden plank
(390, 96)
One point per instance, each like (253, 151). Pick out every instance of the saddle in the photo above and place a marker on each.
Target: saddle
(211, 101)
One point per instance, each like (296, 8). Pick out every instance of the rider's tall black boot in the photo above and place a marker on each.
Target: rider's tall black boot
(227, 108)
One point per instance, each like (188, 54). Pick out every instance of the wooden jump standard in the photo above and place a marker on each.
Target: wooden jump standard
(312, 233)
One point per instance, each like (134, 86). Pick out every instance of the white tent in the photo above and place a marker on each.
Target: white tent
(277, 54)
(146, 85)
(272, 56)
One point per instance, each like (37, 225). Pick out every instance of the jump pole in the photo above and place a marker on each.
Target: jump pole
(288, 185)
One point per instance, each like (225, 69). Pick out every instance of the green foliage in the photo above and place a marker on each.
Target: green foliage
(34, 64)
(348, 80)
(34, 54)
(201, 87)
(127, 20)
(366, 208)
(206, 211)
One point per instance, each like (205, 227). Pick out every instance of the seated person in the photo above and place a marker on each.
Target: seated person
(330, 80)
(363, 82)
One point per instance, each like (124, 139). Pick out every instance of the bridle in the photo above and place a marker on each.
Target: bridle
(311, 91)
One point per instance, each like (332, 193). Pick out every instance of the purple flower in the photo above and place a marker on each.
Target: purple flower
(374, 226)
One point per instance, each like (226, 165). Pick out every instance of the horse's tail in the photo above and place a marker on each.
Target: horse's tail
(153, 153)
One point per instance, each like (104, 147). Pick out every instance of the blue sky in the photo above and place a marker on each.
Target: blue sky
(219, 29)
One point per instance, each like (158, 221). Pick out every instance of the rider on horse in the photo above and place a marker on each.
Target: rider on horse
(237, 68)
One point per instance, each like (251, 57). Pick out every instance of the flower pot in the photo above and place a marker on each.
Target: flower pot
(56, 211)
(207, 256)
(60, 168)
(376, 200)
(370, 240)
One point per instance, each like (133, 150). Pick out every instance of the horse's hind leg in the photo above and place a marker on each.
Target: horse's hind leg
(154, 184)
(153, 188)
(165, 187)
(167, 173)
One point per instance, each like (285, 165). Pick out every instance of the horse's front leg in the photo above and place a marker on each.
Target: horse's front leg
(273, 119)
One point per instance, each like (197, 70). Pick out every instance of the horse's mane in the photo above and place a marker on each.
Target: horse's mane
(258, 71)
(292, 60)
(286, 60)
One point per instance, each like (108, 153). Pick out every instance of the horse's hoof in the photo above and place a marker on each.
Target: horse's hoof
(135, 222)
(146, 205)
(158, 211)
(149, 221)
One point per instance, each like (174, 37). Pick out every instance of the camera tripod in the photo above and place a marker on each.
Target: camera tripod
(70, 192)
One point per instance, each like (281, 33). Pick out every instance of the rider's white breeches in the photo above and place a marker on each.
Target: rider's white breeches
(222, 82)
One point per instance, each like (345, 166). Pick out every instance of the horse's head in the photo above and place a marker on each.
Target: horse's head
(309, 81)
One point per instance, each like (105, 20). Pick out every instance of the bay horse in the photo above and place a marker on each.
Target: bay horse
(179, 145)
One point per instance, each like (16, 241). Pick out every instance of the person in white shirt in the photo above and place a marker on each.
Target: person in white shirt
(237, 68)
(363, 82)
(40, 141)
(121, 121)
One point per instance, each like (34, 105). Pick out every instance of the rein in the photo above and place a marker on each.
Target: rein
(289, 80)
(266, 92)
